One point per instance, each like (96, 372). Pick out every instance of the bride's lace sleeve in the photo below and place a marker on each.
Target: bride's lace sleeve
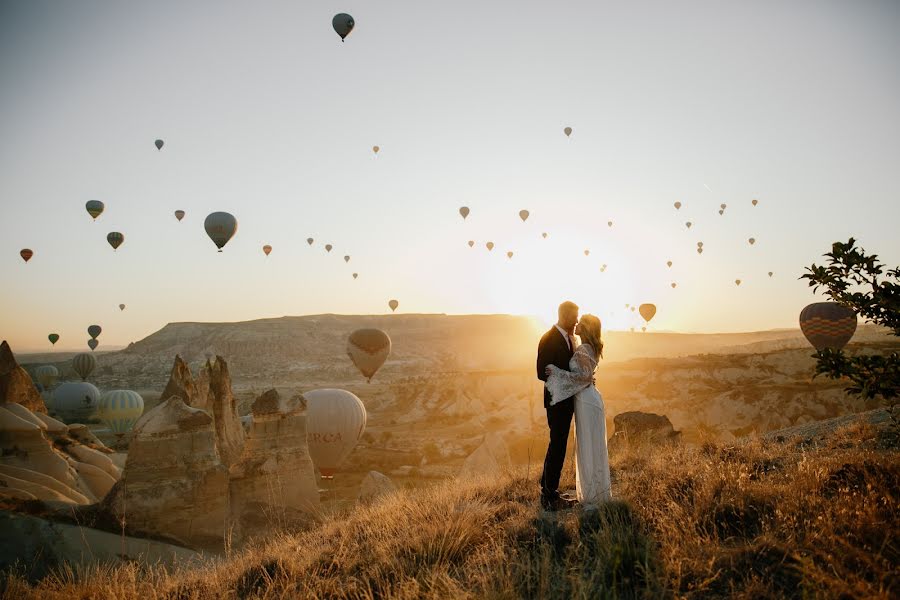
(565, 384)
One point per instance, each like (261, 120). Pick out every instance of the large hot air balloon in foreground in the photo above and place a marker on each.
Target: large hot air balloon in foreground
(220, 227)
(343, 24)
(75, 401)
(335, 420)
(120, 409)
(827, 325)
(647, 311)
(368, 349)
(84, 364)
(94, 208)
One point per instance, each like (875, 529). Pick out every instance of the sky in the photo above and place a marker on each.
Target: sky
(267, 115)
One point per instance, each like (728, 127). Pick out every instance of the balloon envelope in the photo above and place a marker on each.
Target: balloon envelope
(490, 246)
(76, 401)
(46, 375)
(84, 364)
(120, 409)
(158, 144)
(94, 330)
(328, 247)
(53, 337)
(828, 325)
(220, 227)
(121, 307)
(368, 349)
(310, 241)
(347, 258)
(677, 205)
(647, 311)
(179, 214)
(343, 24)
(471, 243)
(393, 304)
(94, 208)
(26, 254)
(267, 249)
(375, 149)
(335, 420)
(567, 131)
(92, 344)
(464, 211)
(523, 214)
(115, 239)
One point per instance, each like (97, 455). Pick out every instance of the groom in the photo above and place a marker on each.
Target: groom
(556, 348)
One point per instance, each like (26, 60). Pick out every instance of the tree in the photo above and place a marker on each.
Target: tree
(860, 282)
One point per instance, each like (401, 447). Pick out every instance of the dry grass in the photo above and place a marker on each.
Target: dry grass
(752, 520)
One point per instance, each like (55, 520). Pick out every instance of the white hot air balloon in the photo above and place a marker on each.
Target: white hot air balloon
(76, 401)
(119, 410)
(46, 376)
(368, 349)
(335, 420)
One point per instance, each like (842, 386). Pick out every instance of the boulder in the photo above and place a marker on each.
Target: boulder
(638, 428)
(375, 485)
(274, 481)
(174, 484)
(490, 458)
(16, 386)
(229, 433)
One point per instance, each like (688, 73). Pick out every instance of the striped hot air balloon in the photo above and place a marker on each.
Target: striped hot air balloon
(46, 375)
(828, 325)
(84, 364)
(368, 349)
(120, 409)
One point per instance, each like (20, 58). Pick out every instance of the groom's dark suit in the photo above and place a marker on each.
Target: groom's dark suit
(553, 350)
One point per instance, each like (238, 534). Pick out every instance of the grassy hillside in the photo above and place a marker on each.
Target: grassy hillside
(749, 520)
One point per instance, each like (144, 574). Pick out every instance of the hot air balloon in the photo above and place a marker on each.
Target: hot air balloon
(544, 235)
(76, 401)
(343, 24)
(770, 273)
(119, 410)
(509, 254)
(754, 202)
(721, 211)
(464, 211)
(94, 208)
(490, 246)
(158, 144)
(722, 206)
(368, 349)
(267, 249)
(355, 275)
(53, 337)
(346, 258)
(677, 205)
(699, 244)
(647, 311)
(567, 131)
(644, 328)
(84, 364)
(46, 375)
(674, 284)
(393, 304)
(121, 307)
(92, 344)
(688, 224)
(737, 282)
(752, 241)
(828, 325)
(335, 420)
(26, 254)
(632, 308)
(668, 263)
(115, 239)
(220, 227)
(587, 252)
(699, 250)
(310, 241)
(471, 243)
(609, 223)
(328, 247)
(94, 331)
(179, 214)
(375, 149)
(523, 214)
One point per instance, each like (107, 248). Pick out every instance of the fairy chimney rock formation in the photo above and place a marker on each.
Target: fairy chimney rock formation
(229, 433)
(181, 384)
(175, 485)
(275, 477)
(16, 386)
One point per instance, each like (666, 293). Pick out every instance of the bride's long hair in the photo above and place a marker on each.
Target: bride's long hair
(590, 333)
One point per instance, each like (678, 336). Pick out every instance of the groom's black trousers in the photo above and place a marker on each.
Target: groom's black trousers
(559, 419)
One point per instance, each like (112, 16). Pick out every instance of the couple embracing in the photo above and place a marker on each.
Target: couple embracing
(567, 370)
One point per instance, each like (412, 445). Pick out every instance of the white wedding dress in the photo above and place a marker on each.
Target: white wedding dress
(592, 481)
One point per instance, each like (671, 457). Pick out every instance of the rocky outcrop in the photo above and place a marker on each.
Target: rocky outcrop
(181, 384)
(637, 428)
(273, 482)
(229, 433)
(174, 484)
(16, 386)
(491, 457)
(375, 485)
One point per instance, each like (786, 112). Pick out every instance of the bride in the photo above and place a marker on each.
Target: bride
(592, 482)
